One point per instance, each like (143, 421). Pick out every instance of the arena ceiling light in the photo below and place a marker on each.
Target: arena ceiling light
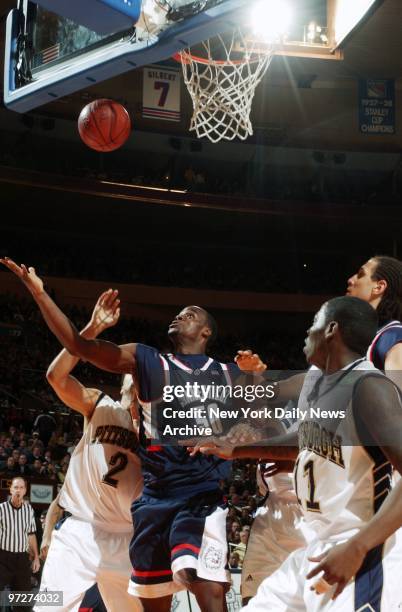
(271, 19)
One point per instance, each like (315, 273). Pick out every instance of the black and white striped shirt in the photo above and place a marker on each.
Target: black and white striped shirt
(15, 526)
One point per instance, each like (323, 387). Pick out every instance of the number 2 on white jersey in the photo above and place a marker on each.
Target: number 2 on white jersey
(118, 462)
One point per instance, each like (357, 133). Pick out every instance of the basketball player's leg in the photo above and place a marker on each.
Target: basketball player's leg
(71, 565)
(283, 591)
(159, 604)
(114, 571)
(276, 532)
(210, 596)
(199, 551)
(254, 568)
(152, 578)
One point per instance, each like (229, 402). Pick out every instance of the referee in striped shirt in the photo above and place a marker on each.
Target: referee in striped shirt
(17, 535)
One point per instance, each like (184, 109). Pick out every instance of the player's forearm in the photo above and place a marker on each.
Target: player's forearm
(273, 453)
(99, 352)
(61, 326)
(64, 363)
(278, 448)
(384, 523)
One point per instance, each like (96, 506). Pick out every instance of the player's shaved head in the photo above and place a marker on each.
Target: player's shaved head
(198, 315)
(357, 321)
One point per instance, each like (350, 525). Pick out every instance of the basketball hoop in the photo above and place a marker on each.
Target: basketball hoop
(222, 90)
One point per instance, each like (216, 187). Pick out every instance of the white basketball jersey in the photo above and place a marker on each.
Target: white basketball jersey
(104, 475)
(338, 482)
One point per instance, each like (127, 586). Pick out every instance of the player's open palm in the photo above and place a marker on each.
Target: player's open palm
(27, 275)
(107, 310)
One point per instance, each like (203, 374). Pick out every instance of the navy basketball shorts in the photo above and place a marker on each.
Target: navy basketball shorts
(175, 534)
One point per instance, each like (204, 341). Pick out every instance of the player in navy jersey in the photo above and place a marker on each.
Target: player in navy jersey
(379, 282)
(180, 523)
(180, 520)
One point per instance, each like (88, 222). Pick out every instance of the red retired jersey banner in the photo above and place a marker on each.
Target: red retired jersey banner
(161, 93)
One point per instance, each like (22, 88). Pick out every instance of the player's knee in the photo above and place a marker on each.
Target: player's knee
(186, 577)
(210, 596)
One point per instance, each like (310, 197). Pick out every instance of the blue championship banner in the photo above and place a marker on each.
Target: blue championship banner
(377, 106)
(161, 93)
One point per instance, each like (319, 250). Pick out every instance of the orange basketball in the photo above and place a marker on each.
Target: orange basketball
(104, 125)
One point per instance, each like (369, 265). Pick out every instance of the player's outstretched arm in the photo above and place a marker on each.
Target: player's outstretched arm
(281, 448)
(285, 449)
(104, 355)
(377, 406)
(70, 390)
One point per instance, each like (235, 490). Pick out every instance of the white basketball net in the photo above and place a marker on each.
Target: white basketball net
(222, 90)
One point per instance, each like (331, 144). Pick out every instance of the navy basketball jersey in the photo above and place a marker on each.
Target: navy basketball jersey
(169, 470)
(386, 337)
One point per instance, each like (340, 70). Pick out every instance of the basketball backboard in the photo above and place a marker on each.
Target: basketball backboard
(48, 56)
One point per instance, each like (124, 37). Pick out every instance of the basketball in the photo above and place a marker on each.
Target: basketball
(104, 125)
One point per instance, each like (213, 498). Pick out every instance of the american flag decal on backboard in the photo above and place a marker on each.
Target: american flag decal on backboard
(46, 56)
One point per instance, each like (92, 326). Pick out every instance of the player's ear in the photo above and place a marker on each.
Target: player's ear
(331, 329)
(206, 333)
(380, 287)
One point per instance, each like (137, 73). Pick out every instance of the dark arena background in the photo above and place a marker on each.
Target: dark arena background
(258, 232)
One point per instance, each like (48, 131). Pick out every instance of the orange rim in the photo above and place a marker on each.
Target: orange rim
(184, 57)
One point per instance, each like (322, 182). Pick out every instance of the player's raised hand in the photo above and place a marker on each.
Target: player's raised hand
(250, 362)
(106, 312)
(27, 275)
(338, 565)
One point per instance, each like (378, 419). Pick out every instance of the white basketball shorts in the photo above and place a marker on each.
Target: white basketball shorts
(276, 532)
(80, 555)
(376, 587)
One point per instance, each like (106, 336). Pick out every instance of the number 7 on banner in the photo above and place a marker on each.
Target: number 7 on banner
(161, 93)
(164, 93)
